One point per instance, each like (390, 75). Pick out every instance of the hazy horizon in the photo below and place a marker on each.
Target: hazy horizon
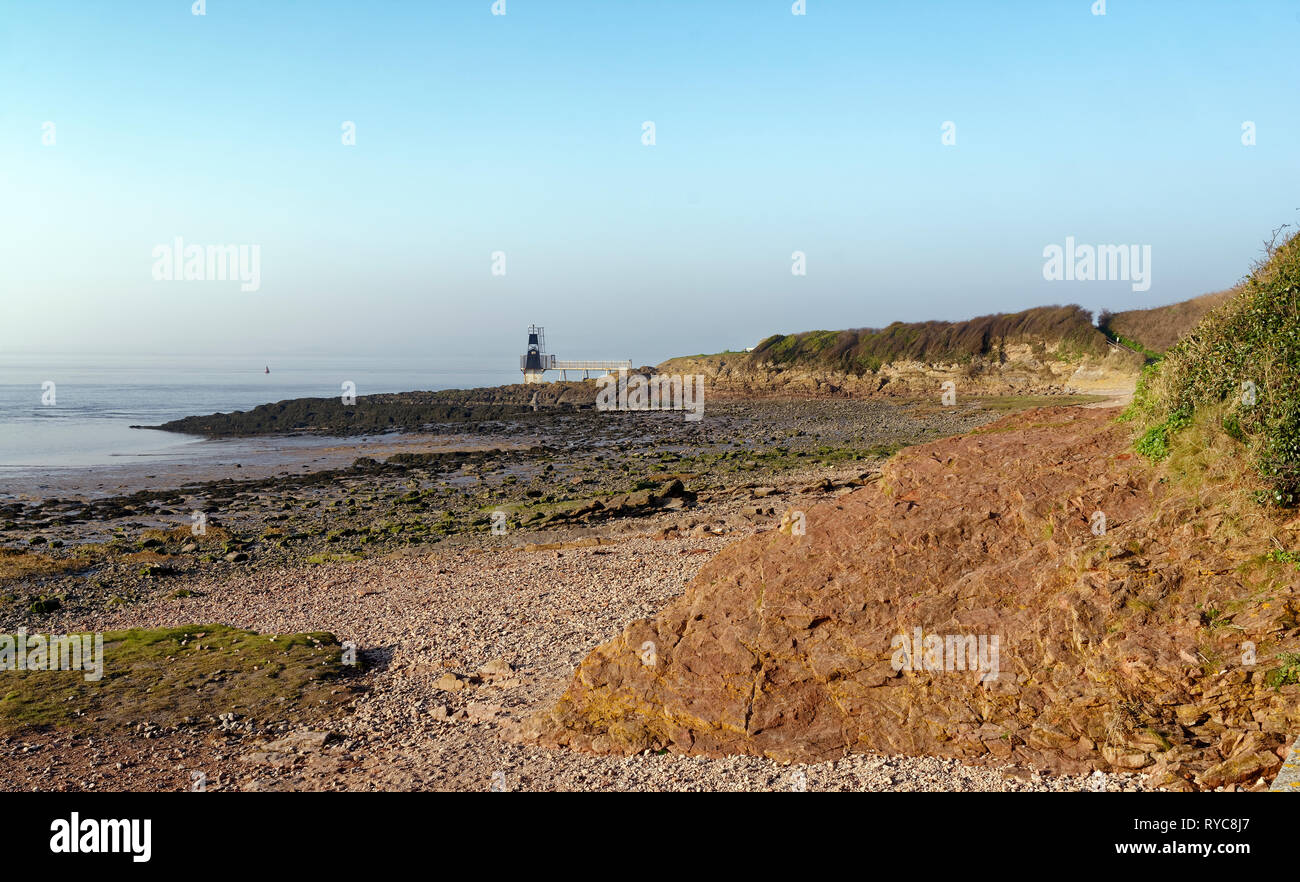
(523, 135)
(488, 361)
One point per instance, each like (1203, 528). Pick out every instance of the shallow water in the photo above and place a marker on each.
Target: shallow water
(87, 419)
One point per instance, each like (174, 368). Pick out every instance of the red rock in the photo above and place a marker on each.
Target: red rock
(784, 645)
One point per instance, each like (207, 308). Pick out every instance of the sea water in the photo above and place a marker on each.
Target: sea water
(84, 418)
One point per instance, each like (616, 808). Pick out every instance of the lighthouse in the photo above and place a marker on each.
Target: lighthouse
(535, 361)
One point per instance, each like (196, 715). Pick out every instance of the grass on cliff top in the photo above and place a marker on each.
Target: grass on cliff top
(1154, 331)
(865, 350)
(165, 675)
(1241, 366)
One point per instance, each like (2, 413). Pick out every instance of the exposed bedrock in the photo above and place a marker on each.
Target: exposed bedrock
(1120, 649)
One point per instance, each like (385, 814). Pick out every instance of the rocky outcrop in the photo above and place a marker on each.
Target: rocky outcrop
(1154, 640)
(1019, 369)
(389, 412)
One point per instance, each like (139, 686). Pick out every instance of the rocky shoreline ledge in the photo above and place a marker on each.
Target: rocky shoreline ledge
(546, 472)
(391, 412)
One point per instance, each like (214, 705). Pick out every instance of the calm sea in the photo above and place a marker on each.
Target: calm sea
(96, 400)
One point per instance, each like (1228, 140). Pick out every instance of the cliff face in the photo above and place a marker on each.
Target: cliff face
(1018, 369)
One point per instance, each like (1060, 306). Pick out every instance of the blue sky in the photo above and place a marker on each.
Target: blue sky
(522, 133)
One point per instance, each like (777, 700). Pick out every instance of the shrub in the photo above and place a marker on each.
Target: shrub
(865, 350)
(1242, 365)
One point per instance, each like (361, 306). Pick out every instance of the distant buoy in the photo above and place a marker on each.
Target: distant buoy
(268, 368)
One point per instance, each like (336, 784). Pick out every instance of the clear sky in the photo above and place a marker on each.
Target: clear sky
(522, 133)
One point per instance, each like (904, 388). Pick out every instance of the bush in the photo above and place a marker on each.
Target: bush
(1241, 365)
(865, 350)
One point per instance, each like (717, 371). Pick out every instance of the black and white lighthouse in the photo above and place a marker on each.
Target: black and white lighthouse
(535, 361)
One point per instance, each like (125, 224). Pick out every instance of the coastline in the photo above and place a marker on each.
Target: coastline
(462, 641)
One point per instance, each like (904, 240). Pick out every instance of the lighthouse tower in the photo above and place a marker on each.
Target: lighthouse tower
(535, 361)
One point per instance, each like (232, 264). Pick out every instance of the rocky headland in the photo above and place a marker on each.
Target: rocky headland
(1044, 351)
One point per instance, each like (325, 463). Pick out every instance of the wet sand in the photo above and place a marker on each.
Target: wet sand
(225, 460)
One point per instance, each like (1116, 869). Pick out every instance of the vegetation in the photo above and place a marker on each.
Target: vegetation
(167, 676)
(1278, 555)
(1154, 331)
(865, 350)
(1240, 368)
(15, 564)
(1287, 673)
(1104, 325)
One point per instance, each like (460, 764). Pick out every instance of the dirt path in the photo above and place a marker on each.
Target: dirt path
(1117, 397)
